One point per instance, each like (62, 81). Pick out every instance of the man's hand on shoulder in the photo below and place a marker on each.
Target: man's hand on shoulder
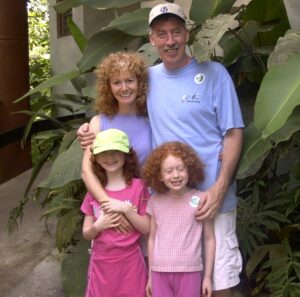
(84, 136)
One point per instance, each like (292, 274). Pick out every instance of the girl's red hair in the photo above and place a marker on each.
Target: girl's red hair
(152, 168)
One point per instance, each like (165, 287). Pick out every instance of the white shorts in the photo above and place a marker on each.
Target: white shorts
(228, 260)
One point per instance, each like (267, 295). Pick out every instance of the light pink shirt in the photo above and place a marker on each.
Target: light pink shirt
(177, 246)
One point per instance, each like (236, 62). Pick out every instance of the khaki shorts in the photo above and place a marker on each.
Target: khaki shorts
(228, 260)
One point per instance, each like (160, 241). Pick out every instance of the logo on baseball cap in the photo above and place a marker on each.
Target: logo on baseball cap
(166, 8)
(110, 140)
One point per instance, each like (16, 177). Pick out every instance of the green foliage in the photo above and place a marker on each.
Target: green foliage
(255, 43)
(39, 41)
(76, 264)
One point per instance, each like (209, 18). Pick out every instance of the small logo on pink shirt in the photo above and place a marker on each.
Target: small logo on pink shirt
(194, 201)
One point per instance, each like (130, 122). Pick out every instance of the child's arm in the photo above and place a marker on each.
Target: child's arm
(150, 254)
(92, 228)
(90, 179)
(209, 256)
(139, 222)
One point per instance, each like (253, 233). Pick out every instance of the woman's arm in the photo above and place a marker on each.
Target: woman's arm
(139, 222)
(209, 256)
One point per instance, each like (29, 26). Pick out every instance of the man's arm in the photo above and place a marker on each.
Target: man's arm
(85, 136)
(213, 197)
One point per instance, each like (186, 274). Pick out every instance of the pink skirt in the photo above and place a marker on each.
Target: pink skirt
(122, 275)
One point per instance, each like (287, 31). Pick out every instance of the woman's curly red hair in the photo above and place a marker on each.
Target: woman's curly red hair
(114, 64)
(130, 168)
(151, 173)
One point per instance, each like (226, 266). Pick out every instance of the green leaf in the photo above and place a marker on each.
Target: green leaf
(66, 168)
(286, 47)
(51, 82)
(208, 38)
(255, 148)
(255, 259)
(74, 269)
(234, 45)
(66, 226)
(77, 34)
(132, 23)
(278, 95)
(66, 5)
(100, 45)
(201, 10)
(149, 53)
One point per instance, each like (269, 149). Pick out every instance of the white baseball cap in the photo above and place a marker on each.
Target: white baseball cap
(166, 8)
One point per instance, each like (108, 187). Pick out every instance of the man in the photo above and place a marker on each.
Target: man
(196, 103)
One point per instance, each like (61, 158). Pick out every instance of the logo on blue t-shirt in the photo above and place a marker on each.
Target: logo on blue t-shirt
(199, 78)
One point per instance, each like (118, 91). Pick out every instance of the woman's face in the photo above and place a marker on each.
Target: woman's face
(124, 87)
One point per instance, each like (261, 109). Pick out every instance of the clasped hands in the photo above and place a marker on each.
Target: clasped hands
(119, 208)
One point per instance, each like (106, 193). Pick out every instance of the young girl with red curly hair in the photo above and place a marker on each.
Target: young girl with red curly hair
(176, 268)
(117, 267)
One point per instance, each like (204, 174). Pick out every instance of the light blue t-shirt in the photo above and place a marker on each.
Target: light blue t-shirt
(196, 105)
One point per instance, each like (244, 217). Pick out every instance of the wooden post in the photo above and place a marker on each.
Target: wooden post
(14, 82)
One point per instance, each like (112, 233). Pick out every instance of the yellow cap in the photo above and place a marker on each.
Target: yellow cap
(111, 140)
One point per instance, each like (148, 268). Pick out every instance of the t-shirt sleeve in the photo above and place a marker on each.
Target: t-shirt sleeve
(149, 208)
(226, 103)
(86, 206)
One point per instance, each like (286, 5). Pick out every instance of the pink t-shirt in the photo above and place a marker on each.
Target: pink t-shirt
(177, 246)
(109, 242)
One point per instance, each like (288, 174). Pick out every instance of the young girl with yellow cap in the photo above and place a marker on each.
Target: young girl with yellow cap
(116, 265)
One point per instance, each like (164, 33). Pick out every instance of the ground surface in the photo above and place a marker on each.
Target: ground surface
(29, 262)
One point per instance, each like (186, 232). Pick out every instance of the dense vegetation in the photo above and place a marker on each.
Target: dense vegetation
(261, 50)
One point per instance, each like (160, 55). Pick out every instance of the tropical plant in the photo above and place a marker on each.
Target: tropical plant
(261, 51)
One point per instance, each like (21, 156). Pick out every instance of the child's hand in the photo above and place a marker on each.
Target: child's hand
(148, 288)
(107, 220)
(206, 287)
(114, 205)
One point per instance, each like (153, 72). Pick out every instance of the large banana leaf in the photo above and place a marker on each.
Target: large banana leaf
(256, 147)
(51, 82)
(208, 38)
(233, 45)
(64, 6)
(286, 46)
(100, 45)
(66, 168)
(78, 36)
(278, 95)
(132, 23)
(149, 53)
(201, 10)
(264, 12)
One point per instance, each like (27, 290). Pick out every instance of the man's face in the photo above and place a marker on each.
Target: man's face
(169, 37)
